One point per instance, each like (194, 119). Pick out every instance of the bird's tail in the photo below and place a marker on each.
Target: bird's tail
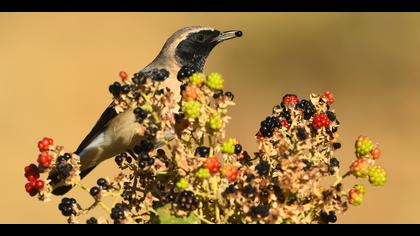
(61, 189)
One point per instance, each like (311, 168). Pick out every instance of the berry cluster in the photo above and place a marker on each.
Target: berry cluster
(321, 120)
(44, 144)
(118, 212)
(212, 164)
(67, 206)
(34, 185)
(187, 201)
(328, 97)
(185, 170)
(355, 195)
(307, 107)
(269, 125)
(329, 217)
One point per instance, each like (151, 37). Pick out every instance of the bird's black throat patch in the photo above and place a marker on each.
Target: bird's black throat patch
(194, 50)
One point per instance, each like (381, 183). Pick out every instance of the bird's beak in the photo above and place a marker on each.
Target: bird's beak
(228, 35)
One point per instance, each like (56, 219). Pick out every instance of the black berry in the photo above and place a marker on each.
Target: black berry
(160, 75)
(102, 182)
(230, 95)
(92, 221)
(334, 162)
(94, 191)
(238, 148)
(263, 168)
(115, 89)
(185, 72)
(337, 145)
(249, 191)
(307, 107)
(331, 115)
(139, 78)
(140, 113)
(259, 211)
(125, 89)
(187, 201)
(202, 151)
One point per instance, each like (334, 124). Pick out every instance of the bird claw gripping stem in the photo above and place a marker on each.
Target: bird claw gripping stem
(185, 169)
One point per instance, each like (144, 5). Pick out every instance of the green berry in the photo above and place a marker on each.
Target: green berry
(377, 176)
(229, 146)
(215, 81)
(355, 197)
(191, 109)
(360, 168)
(182, 183)
(216, 121)
(203, 173)
(197, 79)
(364, 146)
(361, 188)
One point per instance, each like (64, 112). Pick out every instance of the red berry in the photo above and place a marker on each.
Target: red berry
(231, 172)
(31, 172)
(40, 184)
(49, 140)
(31, 188)
(290, 98)
(123, 75)
(320, 120)
(31, 178)
(28, 187)
(212, 164)
(45, 143)
(328, 97)
(285, 124)
(376, 153)
(259, 136)
(44, 159)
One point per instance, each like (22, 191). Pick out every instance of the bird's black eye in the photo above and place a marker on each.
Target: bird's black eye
(199, 37)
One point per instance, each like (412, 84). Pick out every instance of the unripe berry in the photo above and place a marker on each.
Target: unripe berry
(231, 172)
(363, 146)
(361, 188)
(355, 197)
(203, 173)
(123, 75)
(182, 183)
(191, 109)
(377, 176)
(229, 146)
(328, 97)
(215, 81)
(216, 121)
(360, 168)
(197, 79)
(190, 93)
(376, 153)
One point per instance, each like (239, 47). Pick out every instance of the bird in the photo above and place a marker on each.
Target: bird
(115, 133)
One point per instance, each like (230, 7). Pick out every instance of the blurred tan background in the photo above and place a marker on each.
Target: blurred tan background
(55, 69)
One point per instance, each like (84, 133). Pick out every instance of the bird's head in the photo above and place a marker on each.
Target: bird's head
(190, 46)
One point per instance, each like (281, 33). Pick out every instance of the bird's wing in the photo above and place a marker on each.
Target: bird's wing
(99, 127)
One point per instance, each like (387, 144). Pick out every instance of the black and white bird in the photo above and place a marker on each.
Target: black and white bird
(116, 133)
